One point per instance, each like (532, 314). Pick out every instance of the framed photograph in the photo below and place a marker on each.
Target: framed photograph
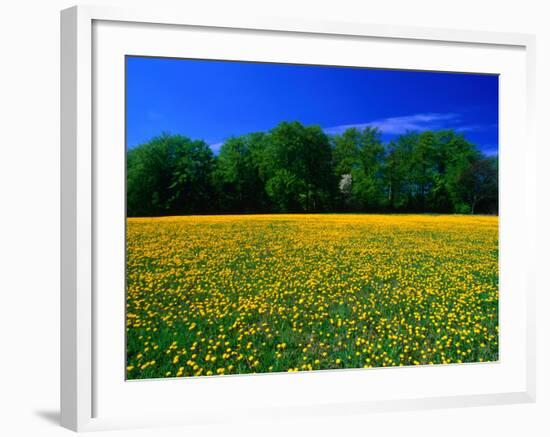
(272, 218)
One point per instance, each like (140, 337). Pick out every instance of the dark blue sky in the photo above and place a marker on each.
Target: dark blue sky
(213, 100)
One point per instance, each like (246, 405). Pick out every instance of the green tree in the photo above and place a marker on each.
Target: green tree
(304, 152)
(168, 175)
(367, 185)
(237, 177)
(148, 174)
(456, 155)
(296, 168)
(358, 157)
(423, 163)
(479, 184)
(190, 189)
(422, 170)
(284, 188)
(346, 153)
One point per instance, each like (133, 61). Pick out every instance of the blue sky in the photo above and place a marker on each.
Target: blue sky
(213, 100)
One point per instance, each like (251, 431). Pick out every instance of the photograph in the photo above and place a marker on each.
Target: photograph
(293, 217)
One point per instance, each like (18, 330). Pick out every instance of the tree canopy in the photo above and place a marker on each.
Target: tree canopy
(297, 168)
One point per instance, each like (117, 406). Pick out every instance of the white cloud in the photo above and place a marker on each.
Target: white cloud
(490, 150)
(400, 125)
(216, 147)
(470, 128)
(475, 127)
(154, 115)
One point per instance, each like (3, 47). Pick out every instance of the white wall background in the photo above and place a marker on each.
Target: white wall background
(29, 202)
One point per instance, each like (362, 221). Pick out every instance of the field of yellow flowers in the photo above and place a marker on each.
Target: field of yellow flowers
(214, 295)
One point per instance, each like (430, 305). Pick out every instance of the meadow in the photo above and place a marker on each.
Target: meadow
(237, 294)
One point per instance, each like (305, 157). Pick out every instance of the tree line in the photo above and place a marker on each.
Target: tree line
(297, 168)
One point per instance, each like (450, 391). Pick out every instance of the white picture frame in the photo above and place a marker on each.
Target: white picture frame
(85, 118)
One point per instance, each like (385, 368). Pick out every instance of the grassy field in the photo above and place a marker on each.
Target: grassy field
(212, 295)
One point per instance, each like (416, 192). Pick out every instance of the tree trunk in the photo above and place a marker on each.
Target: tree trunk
(473, 206)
